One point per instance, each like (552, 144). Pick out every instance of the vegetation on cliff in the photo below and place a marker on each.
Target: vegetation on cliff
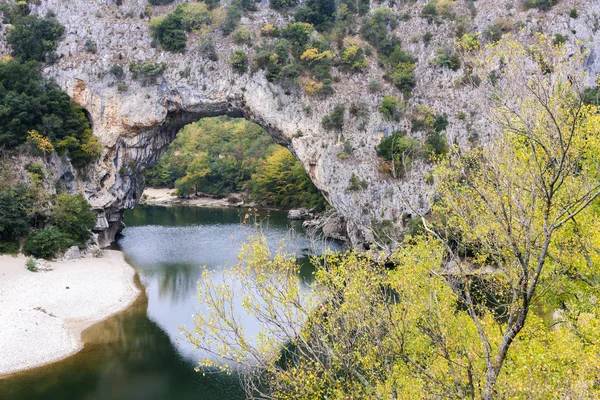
(46, 224)
(34, 108)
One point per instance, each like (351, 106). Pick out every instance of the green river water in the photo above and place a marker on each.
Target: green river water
(137, 354)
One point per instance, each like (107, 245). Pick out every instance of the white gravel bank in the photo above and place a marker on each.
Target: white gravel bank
(42, 314)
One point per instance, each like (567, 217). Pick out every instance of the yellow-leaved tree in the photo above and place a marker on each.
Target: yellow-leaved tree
(497, 298)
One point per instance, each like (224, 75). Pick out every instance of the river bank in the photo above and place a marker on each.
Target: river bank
(167, 197)
(43, 314)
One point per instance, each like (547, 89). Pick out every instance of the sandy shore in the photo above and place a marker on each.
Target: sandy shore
(166, 197)
(42, 314)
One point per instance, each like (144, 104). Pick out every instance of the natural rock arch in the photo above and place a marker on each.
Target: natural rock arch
(137, 122)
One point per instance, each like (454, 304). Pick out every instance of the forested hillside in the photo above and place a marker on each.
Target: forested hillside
(220, 156)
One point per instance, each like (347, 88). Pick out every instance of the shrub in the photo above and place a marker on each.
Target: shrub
(390, 108)
(335, 120)
(398, 150)
(446, 58)
(169, 32)
(159, 2)
(320, 13)
(573, 13)
(46, 243)
(74, 215)
(193, 15)
(591, 96)
(239, 61)
(208, 50)
(542, 5)
(353, 58)
(374, 86)
(33, 38)
(403, 76)
(90, 46)
(429, 11)
(281, 5)
(146, 72)
(30, 265)
(232, 17)
(14, 216)
(116, 70)
(559, 39)
(376, 30)
(435, 144)
(427, 37)
(242, 35)
(356, 183)
(9, 247)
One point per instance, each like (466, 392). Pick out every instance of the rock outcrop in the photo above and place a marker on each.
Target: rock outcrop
(137, 122)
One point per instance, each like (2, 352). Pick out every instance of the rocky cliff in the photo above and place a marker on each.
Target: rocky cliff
(136, 121)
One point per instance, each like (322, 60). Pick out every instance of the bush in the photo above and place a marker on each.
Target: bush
(46, 243)
(376, 30)
(427, 36)
(429, 11)
(542, 5)
(232, 18)
(573, 13)
(30, 265)
(242, 35)
(74, 215)
(146, 72)
(159, 2)
(33, 38)
(281, 5)
(435, 144)
(390, 108)
(398, 150)
(403, 77)
(335, 120)
(353, 58)
(169, 32)
(193, 15)
(239, 61)
(90, 46)
(591, 96)
(116, 70)
(14, 216)
(559, 39)
(319, 13)
(207, 48)
(446, 58)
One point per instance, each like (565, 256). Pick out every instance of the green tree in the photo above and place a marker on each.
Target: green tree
(33, 38)
(73, 216)
(283, 182)
(46, 243)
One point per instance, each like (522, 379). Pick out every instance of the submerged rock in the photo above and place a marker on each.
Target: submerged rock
(300, 214)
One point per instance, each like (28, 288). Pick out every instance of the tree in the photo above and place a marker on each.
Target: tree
(513, 236)
(194, 176)
(73, 215)
(34, 38)
(506, 208)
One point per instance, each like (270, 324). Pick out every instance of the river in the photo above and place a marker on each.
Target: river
(138, 354)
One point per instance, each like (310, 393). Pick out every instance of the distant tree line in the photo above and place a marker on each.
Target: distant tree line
(219, 156)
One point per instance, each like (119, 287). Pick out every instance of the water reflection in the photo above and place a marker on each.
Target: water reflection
(137, 354)
(125, 357)
(168, 248)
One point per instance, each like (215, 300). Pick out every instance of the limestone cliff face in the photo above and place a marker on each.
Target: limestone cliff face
(137, 123)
